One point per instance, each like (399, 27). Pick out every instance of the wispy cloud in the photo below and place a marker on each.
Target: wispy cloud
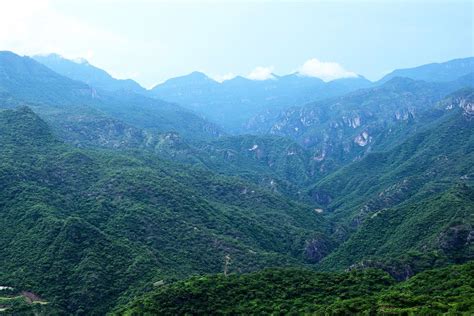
(221, 78)
(35, 26)
(261, 73)
(326, 71)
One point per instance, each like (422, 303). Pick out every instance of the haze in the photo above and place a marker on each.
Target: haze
(161, 39)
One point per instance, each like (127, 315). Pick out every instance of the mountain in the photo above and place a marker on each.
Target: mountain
(340, 130)
(84, 115)
(115, 201)
(409, 207)
(275, 163)
(31, 81)
(82, 71)
(440, 291)
(435, 72)
(233, 102)
(414, 235)
(82, 228)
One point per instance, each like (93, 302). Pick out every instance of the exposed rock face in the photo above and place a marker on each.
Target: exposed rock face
(103, 132)
(399, 272)
(468, 108)
(340, 130)
(316, 249)
(463, 101)
(363, 139)
(321, 197)
(456, 238)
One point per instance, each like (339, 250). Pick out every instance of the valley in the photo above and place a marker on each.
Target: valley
(347, 196)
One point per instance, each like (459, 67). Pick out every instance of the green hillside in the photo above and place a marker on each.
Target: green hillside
(82, 227)
(295, 292)
(113, 201)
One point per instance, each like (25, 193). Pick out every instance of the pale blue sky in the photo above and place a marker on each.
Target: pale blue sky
(150, 41)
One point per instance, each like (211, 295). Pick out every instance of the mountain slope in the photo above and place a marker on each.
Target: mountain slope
(268, 292)
(410, 207)
(440, 151)
(341, 130)
(233, 102)
(435, 72)
(75, 109)
(414, 236)
(83, 71)
(82, 227)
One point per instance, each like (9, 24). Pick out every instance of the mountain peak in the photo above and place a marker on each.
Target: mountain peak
(198, 75)
(81, 70)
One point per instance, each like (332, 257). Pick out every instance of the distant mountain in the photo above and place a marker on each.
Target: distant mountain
(343, 129)
(29, 80)
(233, 102)
(436, 72)
(105, 195)
(81, 70)
(86, 115)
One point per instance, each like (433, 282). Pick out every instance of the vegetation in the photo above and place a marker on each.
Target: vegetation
(82, 227)
(107, 194)
(295, 292)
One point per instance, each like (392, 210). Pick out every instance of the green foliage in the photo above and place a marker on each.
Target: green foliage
(89, 229)
(295, 292)
(265, 292)
(438, 226)
(85, 227)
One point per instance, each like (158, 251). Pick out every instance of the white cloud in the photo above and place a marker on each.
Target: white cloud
(35, 26)
(221, 78)
(326, 71)
(261, 73)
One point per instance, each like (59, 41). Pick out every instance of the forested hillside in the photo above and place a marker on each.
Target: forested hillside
(82, 227)
(114, 201)
(449, 290)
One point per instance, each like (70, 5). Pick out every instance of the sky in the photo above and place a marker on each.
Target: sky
(151, 41)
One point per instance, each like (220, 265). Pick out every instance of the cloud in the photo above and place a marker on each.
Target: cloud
(221, 78)
(261, 73)
(326, 71)
(35, 26)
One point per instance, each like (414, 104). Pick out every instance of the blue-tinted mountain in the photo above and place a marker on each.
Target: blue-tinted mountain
(435, 72)
(233, 102)
(82, 70)
(84, 114)
(377, 178)
(339, 130)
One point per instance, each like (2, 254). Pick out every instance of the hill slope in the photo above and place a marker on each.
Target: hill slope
(233, 102)
(341, 130)
(448, 290)
(81, 227)
(77, 110)
(435, 72)
(415, 198)
(83, 71)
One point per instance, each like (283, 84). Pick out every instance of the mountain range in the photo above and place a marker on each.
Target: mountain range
(290, 195)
